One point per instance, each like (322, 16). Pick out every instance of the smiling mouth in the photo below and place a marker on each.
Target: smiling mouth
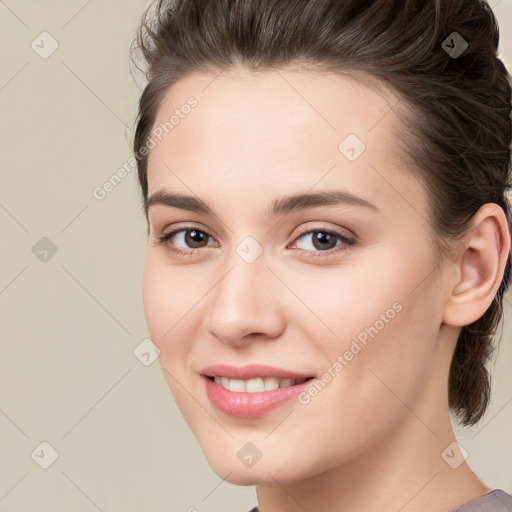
(256, 385)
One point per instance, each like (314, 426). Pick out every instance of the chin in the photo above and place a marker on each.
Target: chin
(276, 466)
(252, 476)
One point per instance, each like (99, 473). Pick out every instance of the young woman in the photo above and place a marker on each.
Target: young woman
(325, 185)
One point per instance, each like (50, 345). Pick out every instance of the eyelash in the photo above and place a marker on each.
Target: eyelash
(347, 241)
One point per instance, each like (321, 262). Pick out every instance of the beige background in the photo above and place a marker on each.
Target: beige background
(70, 325)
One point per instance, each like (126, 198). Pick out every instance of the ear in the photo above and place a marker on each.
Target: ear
(480, 265)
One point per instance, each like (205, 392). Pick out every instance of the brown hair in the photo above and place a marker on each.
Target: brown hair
(455, 130)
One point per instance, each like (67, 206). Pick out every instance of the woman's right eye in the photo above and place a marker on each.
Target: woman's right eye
(191, 236)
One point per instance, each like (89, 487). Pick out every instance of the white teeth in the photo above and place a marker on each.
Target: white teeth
(236, 385)
(256, 385)
(271, 383)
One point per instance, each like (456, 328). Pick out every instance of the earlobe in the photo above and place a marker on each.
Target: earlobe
(481, 264)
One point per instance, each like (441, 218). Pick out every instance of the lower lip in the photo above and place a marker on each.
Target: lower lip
(250, 405)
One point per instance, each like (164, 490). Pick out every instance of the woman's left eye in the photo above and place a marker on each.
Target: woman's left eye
(323, 239)
(320, 239)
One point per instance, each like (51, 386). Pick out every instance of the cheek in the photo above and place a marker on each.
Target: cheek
(167, 306)
(382, 319)
(365, 389)
(157, 302)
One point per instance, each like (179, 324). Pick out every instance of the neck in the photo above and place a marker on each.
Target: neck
(409, 468)
(406, 474)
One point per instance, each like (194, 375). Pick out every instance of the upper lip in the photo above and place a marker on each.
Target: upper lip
(251, 371)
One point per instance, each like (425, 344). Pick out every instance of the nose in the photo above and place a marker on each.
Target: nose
(245, 304)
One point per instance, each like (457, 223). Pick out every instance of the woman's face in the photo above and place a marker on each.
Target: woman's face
(341, 287)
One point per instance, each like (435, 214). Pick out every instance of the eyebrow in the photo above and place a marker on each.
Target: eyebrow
(280, 206)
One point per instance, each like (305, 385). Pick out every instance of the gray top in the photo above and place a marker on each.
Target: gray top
(495, 501)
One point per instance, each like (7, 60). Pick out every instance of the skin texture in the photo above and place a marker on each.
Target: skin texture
(373, 438)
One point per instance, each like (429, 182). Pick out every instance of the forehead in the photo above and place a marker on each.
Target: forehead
(284, 129)
(263, 103)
